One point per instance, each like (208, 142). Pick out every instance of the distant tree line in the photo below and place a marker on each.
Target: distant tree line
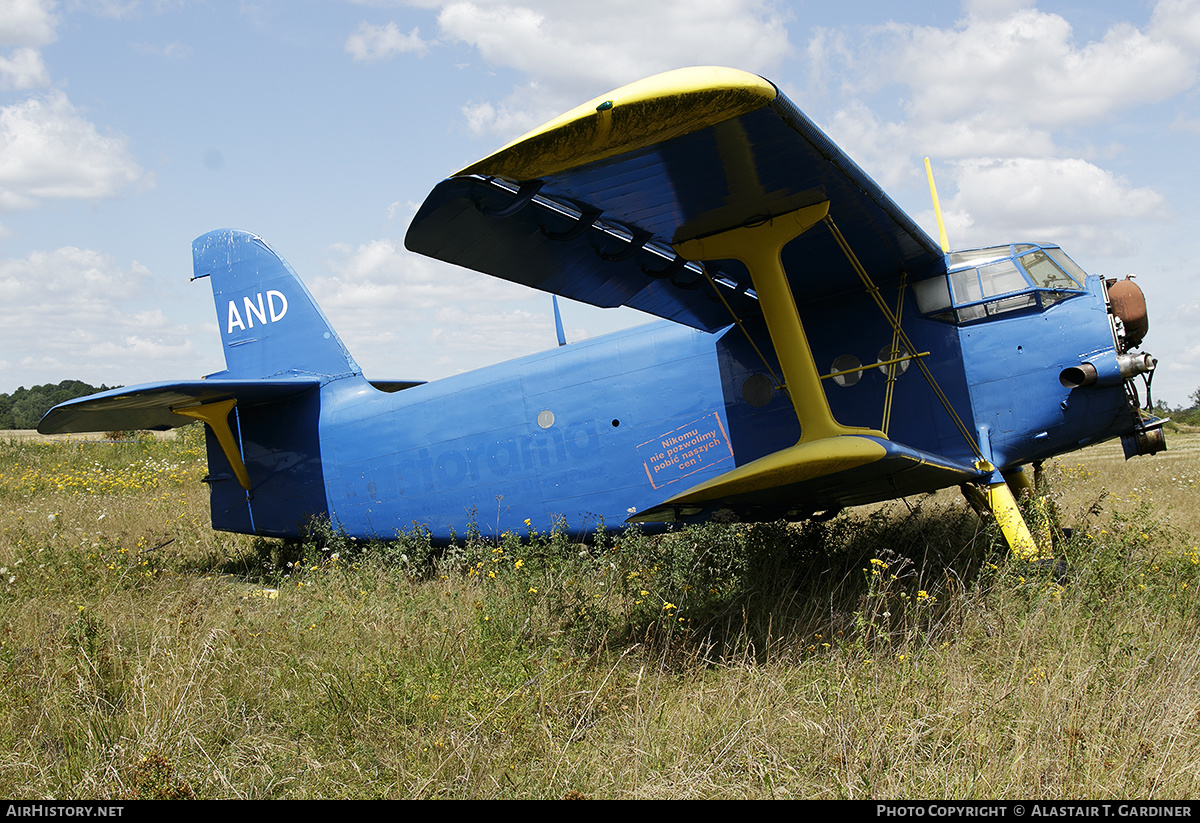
(24, 408)
(1188, 416)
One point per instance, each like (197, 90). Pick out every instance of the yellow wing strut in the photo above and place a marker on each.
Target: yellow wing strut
(937, 209)
(998, 498)
(216, 415)
(893, 372)
(1012, 524)
(760, 248)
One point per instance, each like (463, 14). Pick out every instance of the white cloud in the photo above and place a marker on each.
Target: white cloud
(1183, 123)
(24, 69)
(826, 49)
(406, 312)
(1189, 314)
(397, 207)
(461, 333)
(1000, 101)
(171, 349)
(1065, 200)
(1027, 66)
(66, 277)
(26, 23)
(380, 42)
(888, 148)
(1177, 21)
(49, 151)
(62, 310)
(520, 112)
(565, 55)
(411, 284)
(562, 44)
(1185, 360)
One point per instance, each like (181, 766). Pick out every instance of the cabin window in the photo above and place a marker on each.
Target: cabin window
(932, 295)
(1006, 304)
(972, 285)
(757, 390)
(846, 363)
(965, 286)
(890, 353)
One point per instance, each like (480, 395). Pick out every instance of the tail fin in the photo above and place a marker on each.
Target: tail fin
(270, 324)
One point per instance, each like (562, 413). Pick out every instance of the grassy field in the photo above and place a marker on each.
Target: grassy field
(889, 653)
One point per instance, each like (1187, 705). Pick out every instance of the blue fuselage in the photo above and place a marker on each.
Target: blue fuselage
(590, 433)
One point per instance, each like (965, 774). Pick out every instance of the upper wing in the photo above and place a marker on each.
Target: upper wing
(589, 205)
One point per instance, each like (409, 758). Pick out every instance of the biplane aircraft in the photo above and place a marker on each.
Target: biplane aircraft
(819, 349)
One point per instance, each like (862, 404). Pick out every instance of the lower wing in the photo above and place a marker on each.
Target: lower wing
(821, 475)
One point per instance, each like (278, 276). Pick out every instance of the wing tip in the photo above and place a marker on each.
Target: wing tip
(620, 120)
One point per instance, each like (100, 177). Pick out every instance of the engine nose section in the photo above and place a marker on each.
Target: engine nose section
(1146, 438)
(1128, 305)
(1130, 322)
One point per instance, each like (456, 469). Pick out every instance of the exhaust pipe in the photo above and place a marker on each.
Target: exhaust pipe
(1112, 370)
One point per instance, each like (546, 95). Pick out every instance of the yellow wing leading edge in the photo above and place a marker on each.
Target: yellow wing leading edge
(633, 117)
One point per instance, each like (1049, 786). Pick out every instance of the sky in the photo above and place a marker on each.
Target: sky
(130, 127)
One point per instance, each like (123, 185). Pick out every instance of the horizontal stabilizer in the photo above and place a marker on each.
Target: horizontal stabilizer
(150, 405)
(820, 475)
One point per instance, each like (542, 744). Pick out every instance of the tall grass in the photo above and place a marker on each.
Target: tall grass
(897, 652)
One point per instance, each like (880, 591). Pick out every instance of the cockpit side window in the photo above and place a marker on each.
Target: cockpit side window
(932, 294)
(1045, 274)
(971, 285)
(1068, 265)
(965, 285)
(1000, 279)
